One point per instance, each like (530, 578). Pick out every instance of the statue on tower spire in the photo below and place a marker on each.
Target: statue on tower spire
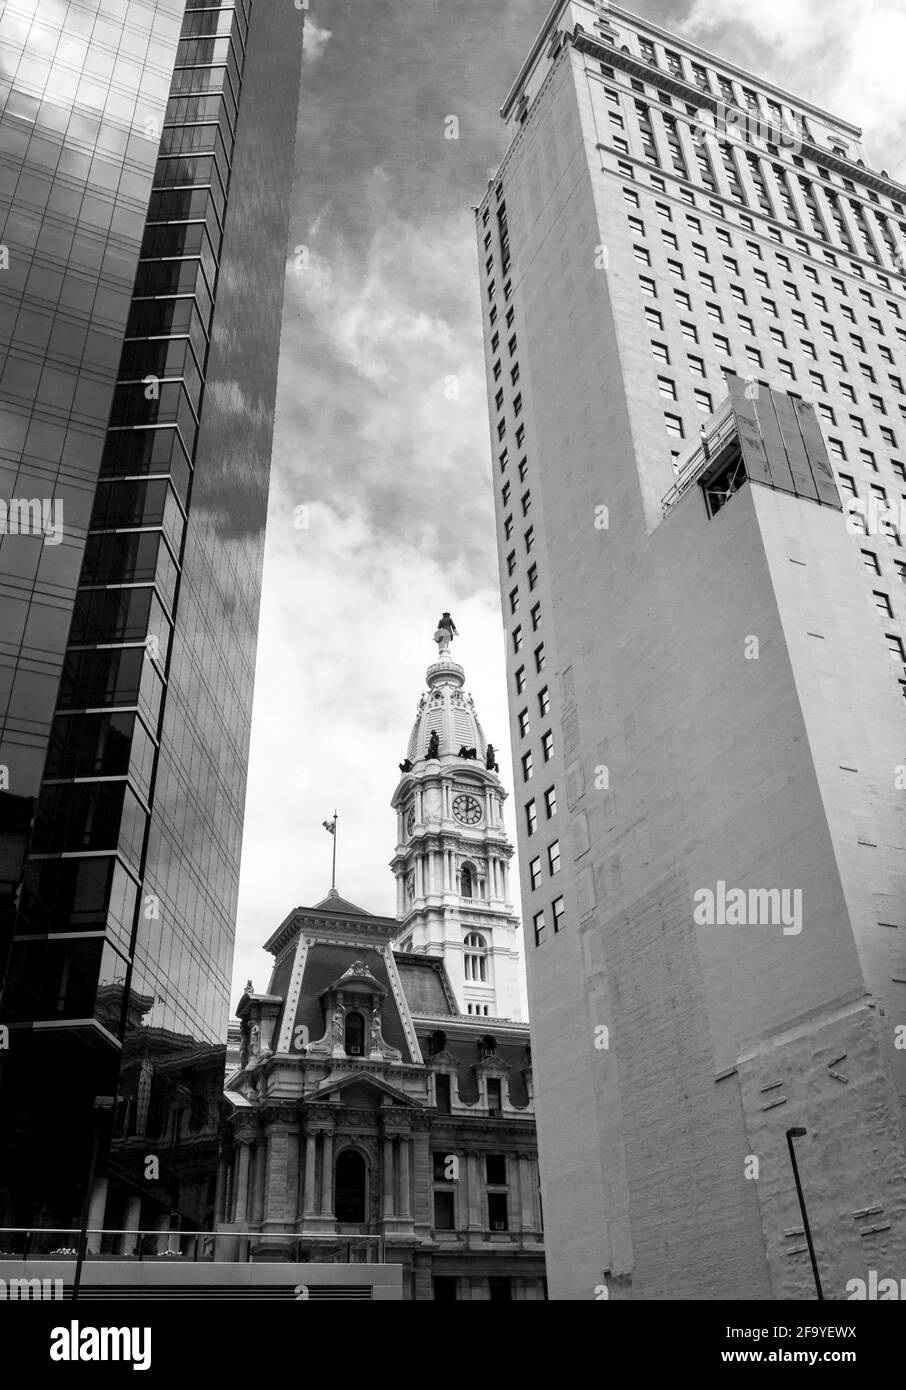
(446, 631)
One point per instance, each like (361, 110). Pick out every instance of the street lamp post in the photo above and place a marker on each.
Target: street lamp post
(799, 1133)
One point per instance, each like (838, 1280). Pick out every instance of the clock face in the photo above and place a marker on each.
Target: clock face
(467, 810)
(410, 822)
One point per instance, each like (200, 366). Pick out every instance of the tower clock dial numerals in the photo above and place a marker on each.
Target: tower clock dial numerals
(467, 810)
(410, 821)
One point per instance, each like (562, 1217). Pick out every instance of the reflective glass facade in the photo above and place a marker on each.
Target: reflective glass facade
(122, 937)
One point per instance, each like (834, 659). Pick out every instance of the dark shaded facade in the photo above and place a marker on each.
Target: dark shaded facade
(118, 926)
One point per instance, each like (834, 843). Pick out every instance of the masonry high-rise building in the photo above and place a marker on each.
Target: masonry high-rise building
(146, 167)
(695, 327)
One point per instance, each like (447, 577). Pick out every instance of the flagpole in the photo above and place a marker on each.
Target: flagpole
(333, 868)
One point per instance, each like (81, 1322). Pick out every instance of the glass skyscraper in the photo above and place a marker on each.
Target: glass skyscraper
(146, 164)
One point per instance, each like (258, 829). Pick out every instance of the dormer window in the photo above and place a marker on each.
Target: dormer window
(354, 1043)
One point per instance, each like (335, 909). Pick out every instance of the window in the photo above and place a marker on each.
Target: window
(882, 603)
(520, 680)
(689, 331)
(531, 816)
(770, 307)
(675, 268)
(553, 857)
(526, 501)
(721, 343)
(647, 286)
(517, 639)
(527, 766)
(497, 1221)
(536, 617)
(550, 802)
(660, 352)
(547, 745)
(444, 1214)
(786, 369)
(738, 293)
(696, 366)
(642, 256)
(682, 299)
(544, 701)
(524, 725)
(354, 1033)
(539, 924)
(674, 426)
(666, 387)
(746, 324)
(714, 312)
(442, 1094)
(511, 562)
(895, 647)
(654, 319)
(558, 907)
(495, 1100)
(754, 356)
(539, 657)
(703, 401)
(514, 600)
(535, 872)
(532, 575)
(476, 947)
(871, 562)
(809, 350)
(529, 539)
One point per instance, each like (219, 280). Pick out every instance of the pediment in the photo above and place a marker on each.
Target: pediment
(360, 1088)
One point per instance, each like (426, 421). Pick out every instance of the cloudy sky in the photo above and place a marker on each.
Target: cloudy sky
(381, 512)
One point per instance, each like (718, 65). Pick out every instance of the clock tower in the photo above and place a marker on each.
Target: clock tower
(452, 860)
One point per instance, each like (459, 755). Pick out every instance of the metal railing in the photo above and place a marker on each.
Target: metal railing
(61, 1243)
(720, 427)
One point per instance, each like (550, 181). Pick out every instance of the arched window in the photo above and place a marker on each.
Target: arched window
(467, 881)
(476, 964)
(351, 1190)
(355, 1033)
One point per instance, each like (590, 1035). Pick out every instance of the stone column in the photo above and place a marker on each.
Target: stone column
(311, 1158)
(130, 1238)
(223, 1168)
(405, 1199)
(291, 1208)
(527, 1191)
(96, 1209)
(474, 1177)
(275, 1186)
(514, 1203)
(388, 1211)
(327, 1176)
(245, 1142)
(259, 1171)
(421, 1173)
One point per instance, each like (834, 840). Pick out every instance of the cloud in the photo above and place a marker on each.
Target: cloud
(382, 438)
(314, 41)
(847, 60)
